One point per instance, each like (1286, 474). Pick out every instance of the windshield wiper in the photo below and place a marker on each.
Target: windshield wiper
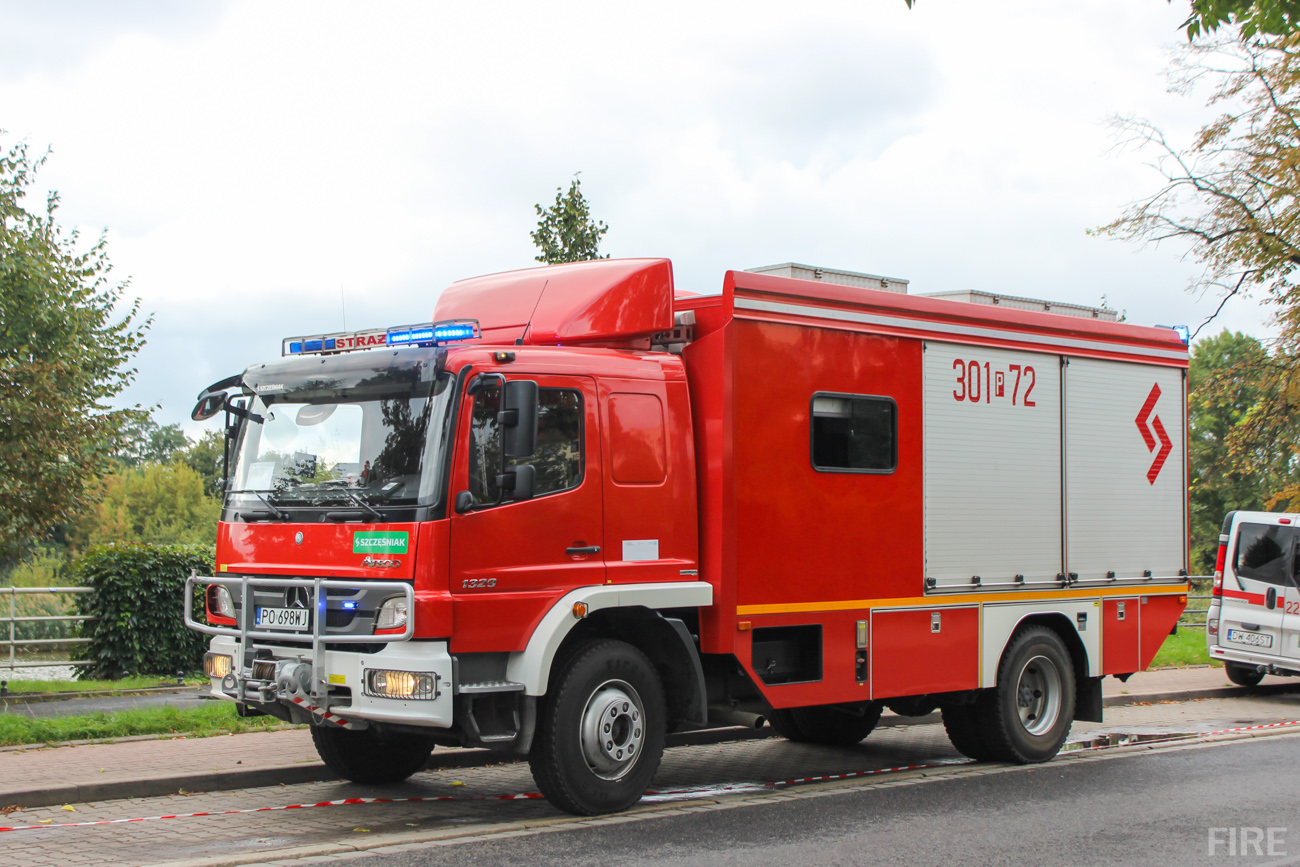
(351, 495)
(280, 515)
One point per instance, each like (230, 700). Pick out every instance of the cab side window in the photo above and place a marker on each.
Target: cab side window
(1262, 551)
(558, 459)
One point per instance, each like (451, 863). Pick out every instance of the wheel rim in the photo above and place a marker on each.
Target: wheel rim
(1038, 695)
(613, 728)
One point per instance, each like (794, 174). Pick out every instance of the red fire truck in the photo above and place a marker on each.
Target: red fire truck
(577, 511)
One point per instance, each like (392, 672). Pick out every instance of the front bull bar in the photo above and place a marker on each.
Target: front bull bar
(244, 682)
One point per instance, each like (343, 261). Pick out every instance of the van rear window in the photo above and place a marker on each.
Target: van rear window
(1262, 552)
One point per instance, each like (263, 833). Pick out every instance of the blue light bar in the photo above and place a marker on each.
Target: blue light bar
(1184, 332)
(426, 334)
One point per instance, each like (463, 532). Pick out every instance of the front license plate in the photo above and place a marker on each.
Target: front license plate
(1254, 639)
(283, 618)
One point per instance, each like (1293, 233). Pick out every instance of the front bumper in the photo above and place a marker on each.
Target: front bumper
(310, 673)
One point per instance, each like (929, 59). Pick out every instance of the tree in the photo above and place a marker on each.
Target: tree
(566, 232)
(145, 441)
(1232, 199)
(160, 504)
(1225, 386)
(63, 356)
(207, 457)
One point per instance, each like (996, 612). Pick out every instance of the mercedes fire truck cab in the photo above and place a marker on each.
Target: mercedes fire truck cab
(577, 511)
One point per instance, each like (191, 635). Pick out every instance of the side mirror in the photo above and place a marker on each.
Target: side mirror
(518, 419)
(1270, 600)
(208, 406)
(464, 502)
(516, 483)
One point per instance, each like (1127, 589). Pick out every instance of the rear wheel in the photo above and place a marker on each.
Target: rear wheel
(1243, 675)
(783, 723)
(600, 730)
(1028, 716)
(371, 757)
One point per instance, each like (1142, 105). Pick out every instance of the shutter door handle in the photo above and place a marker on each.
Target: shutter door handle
(589, 549)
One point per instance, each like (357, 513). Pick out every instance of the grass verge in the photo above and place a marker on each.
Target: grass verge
(1185, 648)
(18, 685)
(209, 718)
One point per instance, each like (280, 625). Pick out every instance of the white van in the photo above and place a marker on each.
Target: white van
(1253, 624)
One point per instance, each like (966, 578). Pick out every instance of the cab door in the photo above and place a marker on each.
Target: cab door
(1261, 562)
(511, 561)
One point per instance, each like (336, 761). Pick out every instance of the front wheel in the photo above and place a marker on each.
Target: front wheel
(1243, 675)
(1028, 716)
(600, 732)
(371, 757)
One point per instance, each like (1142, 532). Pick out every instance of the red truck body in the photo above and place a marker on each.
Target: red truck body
(699, 500)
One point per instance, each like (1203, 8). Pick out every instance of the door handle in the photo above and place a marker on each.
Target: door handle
(1250, 627)
(589, 549)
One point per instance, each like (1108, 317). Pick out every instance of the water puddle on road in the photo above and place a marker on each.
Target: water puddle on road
(1101, 740)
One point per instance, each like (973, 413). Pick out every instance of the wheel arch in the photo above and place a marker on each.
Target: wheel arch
(1088, 699)
(630, 613)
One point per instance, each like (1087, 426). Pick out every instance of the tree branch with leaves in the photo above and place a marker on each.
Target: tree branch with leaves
(565, 231)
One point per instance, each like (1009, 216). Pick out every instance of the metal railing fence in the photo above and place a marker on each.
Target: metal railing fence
(13, 620)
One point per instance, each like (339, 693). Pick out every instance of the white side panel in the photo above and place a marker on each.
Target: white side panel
(1124, 507)
(1001, 619)
(992, 464)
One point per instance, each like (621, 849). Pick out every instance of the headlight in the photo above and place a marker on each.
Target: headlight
(216, 664)
(220, 602)
(402, 684)
(392, 614)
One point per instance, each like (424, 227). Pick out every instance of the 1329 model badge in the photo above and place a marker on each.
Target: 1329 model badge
(379, 563)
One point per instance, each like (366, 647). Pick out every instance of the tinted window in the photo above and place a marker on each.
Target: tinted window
(854, 434)
(1262, 552)
(558, 459)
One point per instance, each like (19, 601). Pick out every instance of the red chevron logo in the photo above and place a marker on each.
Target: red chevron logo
(1166, 444)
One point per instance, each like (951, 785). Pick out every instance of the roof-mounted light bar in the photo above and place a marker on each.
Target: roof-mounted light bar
(426, 334)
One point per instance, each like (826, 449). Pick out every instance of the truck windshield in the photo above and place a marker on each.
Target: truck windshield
(360, 431)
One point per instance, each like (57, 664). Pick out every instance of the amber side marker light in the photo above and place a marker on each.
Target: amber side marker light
(744, 626)
(503, 357)
(580, 610)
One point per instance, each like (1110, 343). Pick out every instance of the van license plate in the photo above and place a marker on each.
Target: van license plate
(1254, 639)
(283, 618)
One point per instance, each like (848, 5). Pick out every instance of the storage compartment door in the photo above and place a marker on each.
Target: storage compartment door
(1120, 635)
(1125, 479)
(926, 650)
(992, 464)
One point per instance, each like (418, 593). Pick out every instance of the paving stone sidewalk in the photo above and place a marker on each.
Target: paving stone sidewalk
(69, 774)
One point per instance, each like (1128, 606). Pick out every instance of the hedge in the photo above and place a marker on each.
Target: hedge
(139, 593)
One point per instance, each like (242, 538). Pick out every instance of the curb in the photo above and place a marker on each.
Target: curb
(14, 698)
(317, 772)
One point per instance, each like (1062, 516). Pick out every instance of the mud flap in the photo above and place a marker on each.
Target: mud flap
(1088, 705)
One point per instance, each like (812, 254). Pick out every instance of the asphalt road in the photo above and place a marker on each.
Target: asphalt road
(1155, 808)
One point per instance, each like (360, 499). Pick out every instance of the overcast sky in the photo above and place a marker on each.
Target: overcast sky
(259, 165)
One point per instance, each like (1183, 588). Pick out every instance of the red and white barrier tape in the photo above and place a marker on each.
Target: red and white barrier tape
(653, 795)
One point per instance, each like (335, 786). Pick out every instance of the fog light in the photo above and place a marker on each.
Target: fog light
(216, 664)
(383, 683)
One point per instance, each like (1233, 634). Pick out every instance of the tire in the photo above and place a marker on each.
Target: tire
(962, 724)
(783, 723)
(370, 757)
(600, 729)
(1027, 717)
(834, 726)
(1243, 675)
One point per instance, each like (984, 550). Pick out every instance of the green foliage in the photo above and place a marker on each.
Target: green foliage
(1224, 385)
(147, 442)
(208, 719)
(155, 503)
(566, 232)
(138, 602)
(40, 569)
(62, 357)
(1272, 17)
(206, 456)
